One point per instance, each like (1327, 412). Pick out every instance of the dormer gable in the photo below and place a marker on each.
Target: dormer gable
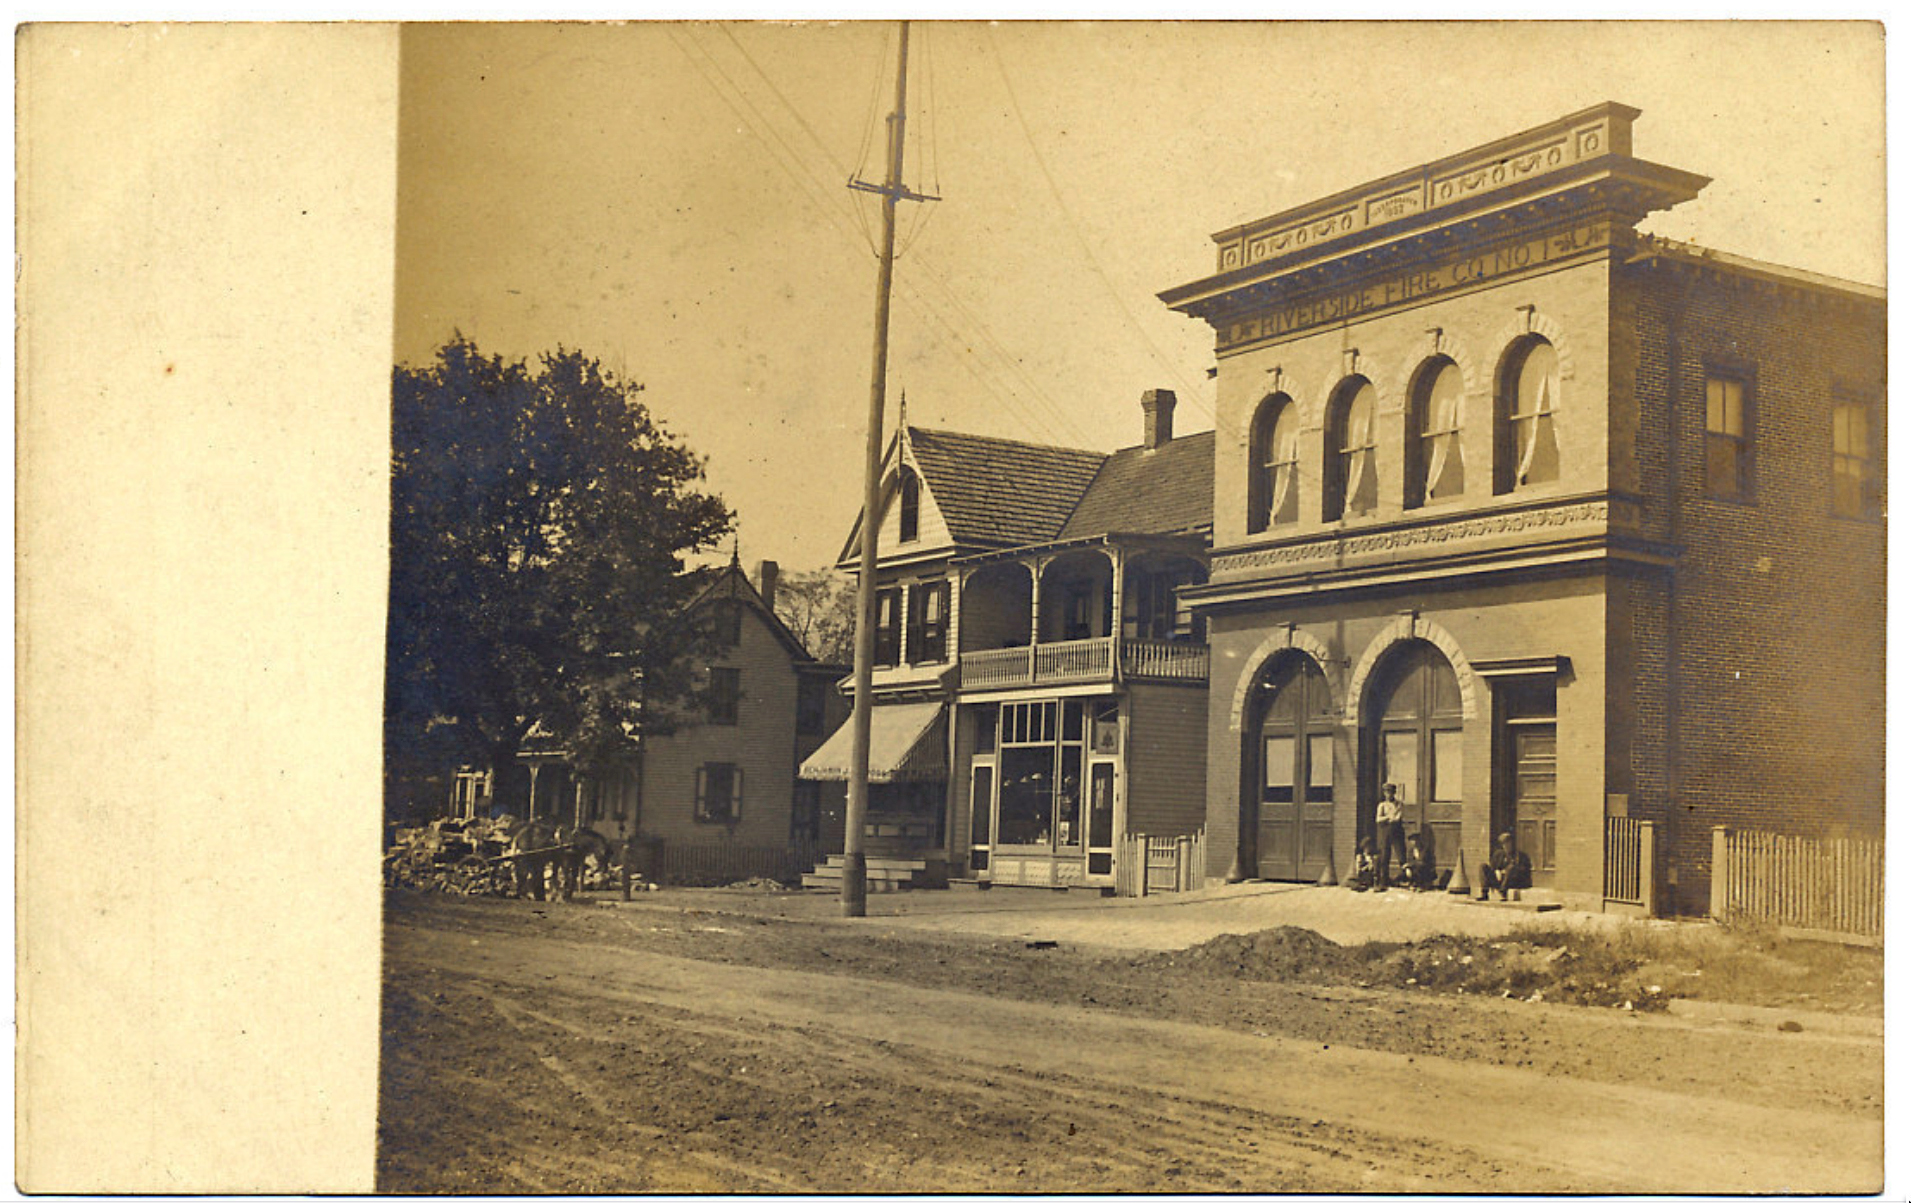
(910, 520)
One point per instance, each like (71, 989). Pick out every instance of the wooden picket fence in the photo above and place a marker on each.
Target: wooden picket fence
(1828, 885)
(1162, 864)
(718, 864)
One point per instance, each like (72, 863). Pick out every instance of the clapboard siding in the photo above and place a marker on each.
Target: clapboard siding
(1167, 759)
(763, 744)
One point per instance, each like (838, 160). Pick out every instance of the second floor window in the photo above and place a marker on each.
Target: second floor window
(909, 507)
(1527, 445)
(1434, 470)
(1728, 438)
(888, 627)
(1854, 480)
(1274, 453)
(929, 622)
(726, 622)
(726, 689)
(1352, 484)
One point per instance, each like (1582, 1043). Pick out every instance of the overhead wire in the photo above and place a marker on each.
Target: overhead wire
(1052, 418)
(1167, 362)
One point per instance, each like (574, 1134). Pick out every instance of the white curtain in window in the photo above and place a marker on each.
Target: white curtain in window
(1361, 485)
(1283, 455)
(1442, 429)
(1536, 431)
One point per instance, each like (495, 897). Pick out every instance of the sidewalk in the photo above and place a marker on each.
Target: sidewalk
(1163, 922)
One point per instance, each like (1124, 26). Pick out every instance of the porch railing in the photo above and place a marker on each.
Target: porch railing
(1813, 885)
(1075, 661)
(1163, 660)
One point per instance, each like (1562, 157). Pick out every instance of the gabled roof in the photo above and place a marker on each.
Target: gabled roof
(999, 492)
(730, 581)
(1142, 492)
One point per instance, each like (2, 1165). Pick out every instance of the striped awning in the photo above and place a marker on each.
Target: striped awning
(905, 744)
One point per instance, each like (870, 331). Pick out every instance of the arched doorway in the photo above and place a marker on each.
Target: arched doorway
(1294, 771)
(1412, 739)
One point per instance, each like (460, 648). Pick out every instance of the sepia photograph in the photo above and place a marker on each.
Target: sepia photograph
(954, 606)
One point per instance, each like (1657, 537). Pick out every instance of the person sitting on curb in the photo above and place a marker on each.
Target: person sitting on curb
(1362, 877)
(1507, 869)
(1418, 867)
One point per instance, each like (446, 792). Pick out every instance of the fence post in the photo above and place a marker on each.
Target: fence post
(1719, 864)
(1649, 868)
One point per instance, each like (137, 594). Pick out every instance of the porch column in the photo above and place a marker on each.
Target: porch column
(1115, 559)
(1035, 610)
(530, 805)
(952, 617)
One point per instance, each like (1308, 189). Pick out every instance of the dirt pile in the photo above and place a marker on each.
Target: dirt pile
(1549, 967)
(1276, 954)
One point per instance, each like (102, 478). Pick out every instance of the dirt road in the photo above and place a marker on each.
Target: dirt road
(653, 1048)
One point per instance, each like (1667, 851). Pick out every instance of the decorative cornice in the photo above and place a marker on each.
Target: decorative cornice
(1425, 189)
(1337, 547)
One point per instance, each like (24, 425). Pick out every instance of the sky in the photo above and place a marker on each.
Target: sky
(671, 198)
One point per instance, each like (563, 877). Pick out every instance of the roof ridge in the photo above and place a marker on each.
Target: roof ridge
(990, 438)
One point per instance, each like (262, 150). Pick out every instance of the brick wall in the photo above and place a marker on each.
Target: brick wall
(1766, 648)
(1538, 616)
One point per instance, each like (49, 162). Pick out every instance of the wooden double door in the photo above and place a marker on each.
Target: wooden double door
(1413, 740)
(1295, 774)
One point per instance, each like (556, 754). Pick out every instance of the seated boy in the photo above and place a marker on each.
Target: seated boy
(1418, 867)
(1507, 869)
(1362, 877)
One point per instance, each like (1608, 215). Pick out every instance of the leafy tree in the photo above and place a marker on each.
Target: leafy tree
(820, 609)
(539, 522)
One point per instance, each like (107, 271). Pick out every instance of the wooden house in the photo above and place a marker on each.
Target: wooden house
(1040, 692)
(719, 796)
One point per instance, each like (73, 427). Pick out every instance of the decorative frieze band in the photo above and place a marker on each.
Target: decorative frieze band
(1601, 130)
(1382, 542)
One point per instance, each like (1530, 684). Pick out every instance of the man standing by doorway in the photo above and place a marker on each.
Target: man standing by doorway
(1387, 834)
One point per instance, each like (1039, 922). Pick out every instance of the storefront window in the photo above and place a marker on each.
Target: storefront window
(1028, 776)
(1039, 768)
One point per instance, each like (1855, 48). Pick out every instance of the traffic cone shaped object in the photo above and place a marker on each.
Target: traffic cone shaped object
(1459, 884)
(1327, 875)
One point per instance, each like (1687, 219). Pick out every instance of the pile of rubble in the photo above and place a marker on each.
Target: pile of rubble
(489, 856)
(456, 856)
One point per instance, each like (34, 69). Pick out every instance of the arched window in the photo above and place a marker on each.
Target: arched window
(1526, 447)
(1350, 482)
(1434, 470)
(1274, 453)
(909, 507)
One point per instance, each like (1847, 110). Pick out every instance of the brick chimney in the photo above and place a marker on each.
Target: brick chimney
(1157, 417)
(766, 573)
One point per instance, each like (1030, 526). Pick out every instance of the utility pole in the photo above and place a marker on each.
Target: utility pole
(891, 190)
